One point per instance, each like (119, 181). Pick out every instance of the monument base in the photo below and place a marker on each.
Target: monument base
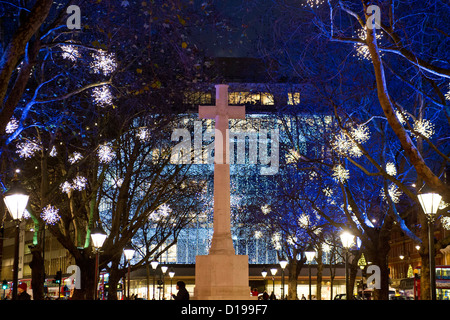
(222, 277)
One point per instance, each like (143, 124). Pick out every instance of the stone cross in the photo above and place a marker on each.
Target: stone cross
(222, 112)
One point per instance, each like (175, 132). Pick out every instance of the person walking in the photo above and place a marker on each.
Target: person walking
(182, 294)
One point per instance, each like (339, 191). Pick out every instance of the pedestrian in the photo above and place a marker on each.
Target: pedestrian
(303, 297)
(265, 295)
(182, 294)
(272, 296)
(22, 292)
(255, 292)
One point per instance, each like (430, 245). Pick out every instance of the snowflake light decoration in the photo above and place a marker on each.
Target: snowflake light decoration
(265, 209)
(342, 144)
(293, 156)
(393, 192)
(304, 221)
(27, 148)
(401, 117)
(50, 214)
(75, 157)
(424, 127)
(53, 152)
(103, 62)
(390, 169)
(164, 210)
(340, 174)
(66, 187)
(360, 133)
(105, 153)
(79, 183)
(445, 223)
(102, 96)
(143, 134)
(12, 125)
(70, 52)
(258, 234)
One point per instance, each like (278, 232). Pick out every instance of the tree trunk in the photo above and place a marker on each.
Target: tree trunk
(87, 269)
(292, 280)
(319, 273)
(115, 274)
(37, 273)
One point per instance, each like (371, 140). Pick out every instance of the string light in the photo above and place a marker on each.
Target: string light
(314, 3)
(362, 50)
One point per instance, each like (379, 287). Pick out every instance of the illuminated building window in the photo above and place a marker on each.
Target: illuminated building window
(197, 97)
(242, 97)
(293, 98)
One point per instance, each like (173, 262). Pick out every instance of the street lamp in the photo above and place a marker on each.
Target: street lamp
(164, 270)
(98, 236)
(310, 253)
(171, 275)
(273, 271)
(264, 274)
(283, 263)
(128, 251)
(154, 265)
(429, 202)
(16, 200)
(347, 240)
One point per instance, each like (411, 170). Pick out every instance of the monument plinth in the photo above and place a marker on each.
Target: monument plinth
(221, 275)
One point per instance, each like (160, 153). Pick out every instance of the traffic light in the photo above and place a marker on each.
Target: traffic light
(5, 285)
(58, 277)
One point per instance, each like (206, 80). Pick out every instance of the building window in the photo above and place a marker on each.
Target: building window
(242, 97)
(197, 97)
(293, 98)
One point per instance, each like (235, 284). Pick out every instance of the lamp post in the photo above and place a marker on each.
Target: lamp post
(128, 251)
(98, 236)
(430, 203)
(16, 200)
(283, 263)
(171, 275)
(347, 240)
(154, 265)
(273, 271)
(310, 253)
(164, 270)
(264, 274)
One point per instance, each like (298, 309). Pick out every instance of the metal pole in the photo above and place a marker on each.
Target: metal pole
(346, 276)
(128, 289)
(96, 276)
(16, 263)
(309, 271)
(432, 259)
